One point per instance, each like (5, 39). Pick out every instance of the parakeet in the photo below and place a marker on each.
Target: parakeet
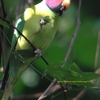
(39, 25)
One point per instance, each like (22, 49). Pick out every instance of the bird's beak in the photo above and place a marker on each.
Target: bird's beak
(66, 3)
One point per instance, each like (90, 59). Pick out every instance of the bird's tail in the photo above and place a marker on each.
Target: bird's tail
(7, 91)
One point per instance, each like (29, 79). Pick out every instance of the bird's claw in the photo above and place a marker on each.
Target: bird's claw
(38, 53)
(44, 21)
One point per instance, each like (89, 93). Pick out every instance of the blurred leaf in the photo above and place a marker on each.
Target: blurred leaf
(30, 78)
(4, 23)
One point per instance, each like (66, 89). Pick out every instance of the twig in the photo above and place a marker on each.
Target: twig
(97, 55)
(72, 43)
(73, 38)
(3, 10)
(27, 97)
(48, 90)
(2, 43)
(75, 34)
(80, 94)
(1, 69)
(64, 91)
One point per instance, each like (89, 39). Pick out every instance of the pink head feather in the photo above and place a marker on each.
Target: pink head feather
(53, 3)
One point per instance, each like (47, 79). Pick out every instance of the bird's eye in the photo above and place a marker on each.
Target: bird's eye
(62, 8)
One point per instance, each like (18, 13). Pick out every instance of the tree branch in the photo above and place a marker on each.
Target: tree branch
(97, 55)
(75, 34)
(2, 42)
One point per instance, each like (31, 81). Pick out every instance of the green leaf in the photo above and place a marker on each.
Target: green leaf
(89, 76)
(73, 75)
(55, 65)
(4, 23)
(56, 70)
(77, 77)
(75, 68)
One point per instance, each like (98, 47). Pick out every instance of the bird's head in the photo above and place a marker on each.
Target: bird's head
(58, 6)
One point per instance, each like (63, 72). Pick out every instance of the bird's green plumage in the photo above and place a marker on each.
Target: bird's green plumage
(39, 35)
